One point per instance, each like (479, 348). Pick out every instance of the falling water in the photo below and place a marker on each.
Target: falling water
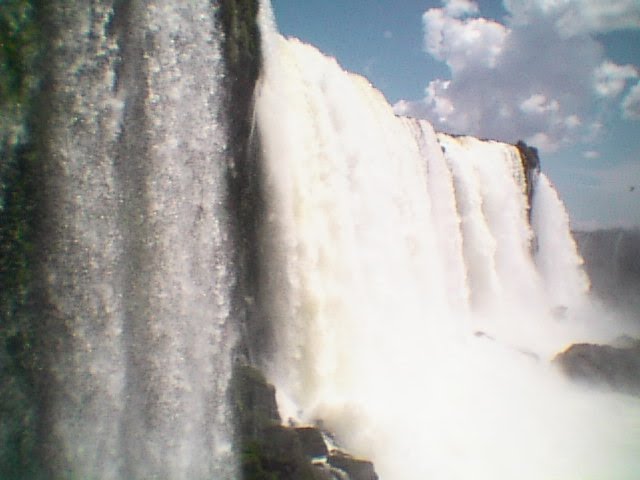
(414, 289)
(137, 256)
(415, 306)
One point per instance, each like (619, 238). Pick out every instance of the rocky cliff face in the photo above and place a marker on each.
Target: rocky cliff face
(612, 260)
(606, 366)
(270, 450)
(20, 48)
(531, 167)
(243, 59)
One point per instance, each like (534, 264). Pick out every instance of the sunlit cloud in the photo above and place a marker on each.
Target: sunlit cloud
(541, 75)
(610, 79)
(577, 17)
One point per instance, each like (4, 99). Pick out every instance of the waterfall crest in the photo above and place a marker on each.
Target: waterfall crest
(414, 306)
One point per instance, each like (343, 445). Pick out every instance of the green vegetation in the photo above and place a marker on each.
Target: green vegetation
(251, 461)
(18, 50)
(242, 37)
(268, 450)
(19, 47)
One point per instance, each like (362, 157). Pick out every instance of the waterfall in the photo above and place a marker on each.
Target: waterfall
(414, 305)
(405, 289)
(137, 259)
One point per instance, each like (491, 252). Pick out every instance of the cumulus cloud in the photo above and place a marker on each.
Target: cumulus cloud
(462, 42)
(610, 79)
(538, 104)
(541, 75)
(577, 17)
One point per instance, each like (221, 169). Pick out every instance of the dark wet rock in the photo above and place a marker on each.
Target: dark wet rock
(330, 473)
(606, 365)
(325, 472)
(271, 451)
(355, 468)
(530, 157)
(531, 168)
(268, 450)
(279, 452)
(254, 402)
(312, 442)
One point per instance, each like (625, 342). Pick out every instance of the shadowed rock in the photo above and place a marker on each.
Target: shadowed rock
(616, 368)
(271, 451)
(357, 469)
(254, 402)
(312, 442)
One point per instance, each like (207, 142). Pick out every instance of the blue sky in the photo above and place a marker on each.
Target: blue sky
(563, 75)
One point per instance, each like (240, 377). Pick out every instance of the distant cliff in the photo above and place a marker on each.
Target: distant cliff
(612, 260)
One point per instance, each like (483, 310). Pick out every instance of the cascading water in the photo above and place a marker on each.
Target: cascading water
(414, 306)
(137, 263)
(410, 295)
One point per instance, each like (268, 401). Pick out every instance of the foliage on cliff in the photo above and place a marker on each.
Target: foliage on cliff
(243, 63)
(242, 40)
(268, 450)
(243, 59)
(19, 49)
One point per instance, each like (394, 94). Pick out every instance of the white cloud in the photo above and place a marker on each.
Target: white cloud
(387, 34)
(610, 79)
(460, 8)
(538, 104)
(631, 104)
(578, 17)
(527, 77)
(462, 43)
(597, 16)
(591, 154)
(543, 141)
(572, 121)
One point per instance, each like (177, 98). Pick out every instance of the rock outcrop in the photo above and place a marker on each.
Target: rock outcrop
(271, 451)
(531, 168)
(312, 442)
(617, 368)
(357, 469)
